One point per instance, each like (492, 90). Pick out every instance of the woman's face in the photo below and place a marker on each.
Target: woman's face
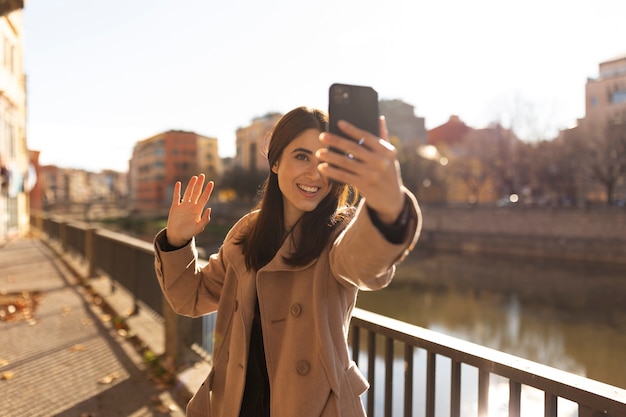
(300, 183)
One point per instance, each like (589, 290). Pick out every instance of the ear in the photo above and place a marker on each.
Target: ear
(275, 168)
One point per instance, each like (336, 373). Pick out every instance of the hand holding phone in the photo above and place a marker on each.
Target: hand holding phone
(360, 155)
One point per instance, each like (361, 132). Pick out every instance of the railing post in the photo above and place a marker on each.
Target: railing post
(408, 380)
(483, 393)
(431, 369)
(388, 407)
(170, 320)
(175, 328)
(550, 405)
(63, 235)
(90, 252)
(455, 389)
(371, 371)
(515, 398)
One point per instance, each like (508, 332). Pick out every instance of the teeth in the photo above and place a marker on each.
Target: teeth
(308, 189)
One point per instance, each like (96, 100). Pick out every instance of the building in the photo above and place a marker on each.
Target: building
(449, 134)
(252, 143)
(601, 134)
(76, 192)
(605, 96)
(404, 126)
(161, 160)
(16, 179)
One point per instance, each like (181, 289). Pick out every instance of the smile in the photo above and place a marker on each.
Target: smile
(308, 189)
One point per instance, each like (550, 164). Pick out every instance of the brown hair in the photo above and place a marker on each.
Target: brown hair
(267, 233)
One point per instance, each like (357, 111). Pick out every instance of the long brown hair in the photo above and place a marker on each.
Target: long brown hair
(267, 233)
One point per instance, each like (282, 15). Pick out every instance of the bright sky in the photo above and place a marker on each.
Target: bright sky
(103, 75)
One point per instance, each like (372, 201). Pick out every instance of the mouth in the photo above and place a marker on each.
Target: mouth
(308, 188)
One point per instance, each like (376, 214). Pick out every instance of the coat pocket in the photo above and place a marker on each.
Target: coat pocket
(356, 380)
(200, 403)
(348, 401)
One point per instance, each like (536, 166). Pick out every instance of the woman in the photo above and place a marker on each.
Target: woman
(285, 280)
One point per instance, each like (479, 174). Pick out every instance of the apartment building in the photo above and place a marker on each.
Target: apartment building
(161, 160)
(252, 141)
(605, 96)
(15, 177)
(601, 130)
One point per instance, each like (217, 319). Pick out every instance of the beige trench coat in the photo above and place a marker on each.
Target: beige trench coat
(305, 316)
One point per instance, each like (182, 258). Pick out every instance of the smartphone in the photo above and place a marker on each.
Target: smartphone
(355, 104)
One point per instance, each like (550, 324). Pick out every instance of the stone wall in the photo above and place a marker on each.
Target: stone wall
(597, 235)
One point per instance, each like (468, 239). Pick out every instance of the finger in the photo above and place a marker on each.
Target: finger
(176, 194)
(347, 158)
(354, 149)
(206, 194)
(189, 190)
(338, 174)
(354, 132)
(197, 189)
(206, 216)
(384, 133)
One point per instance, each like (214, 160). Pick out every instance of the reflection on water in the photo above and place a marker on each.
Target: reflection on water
(567, 337)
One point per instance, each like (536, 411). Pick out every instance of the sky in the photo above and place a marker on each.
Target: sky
(103, 75)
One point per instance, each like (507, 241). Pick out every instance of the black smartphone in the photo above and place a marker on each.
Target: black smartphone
(356, 104)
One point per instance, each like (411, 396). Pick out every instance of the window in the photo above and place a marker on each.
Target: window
(618, 96)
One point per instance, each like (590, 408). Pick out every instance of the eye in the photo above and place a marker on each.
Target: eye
(302, 156)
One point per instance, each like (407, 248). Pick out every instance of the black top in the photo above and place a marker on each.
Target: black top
(256, 395)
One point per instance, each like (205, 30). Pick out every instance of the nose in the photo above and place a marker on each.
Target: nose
(312, 172)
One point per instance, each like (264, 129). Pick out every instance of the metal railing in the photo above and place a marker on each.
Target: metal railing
(400, 340)
(378, 344)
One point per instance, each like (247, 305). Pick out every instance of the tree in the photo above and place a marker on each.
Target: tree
(604, 150)
(245, 183)
(556, 170)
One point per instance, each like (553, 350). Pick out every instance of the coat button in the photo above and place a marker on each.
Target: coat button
(295, 310)
(303, 368)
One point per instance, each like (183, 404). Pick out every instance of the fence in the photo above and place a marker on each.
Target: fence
(391, 346)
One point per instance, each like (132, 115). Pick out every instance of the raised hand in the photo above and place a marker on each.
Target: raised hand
(368, 163)
(188, 216)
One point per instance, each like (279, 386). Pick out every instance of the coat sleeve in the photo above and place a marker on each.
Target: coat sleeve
(191, 287)
(361, 256)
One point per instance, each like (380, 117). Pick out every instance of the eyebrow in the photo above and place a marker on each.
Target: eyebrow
(307, 151)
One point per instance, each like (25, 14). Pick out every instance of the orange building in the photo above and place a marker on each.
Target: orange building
(161, 160)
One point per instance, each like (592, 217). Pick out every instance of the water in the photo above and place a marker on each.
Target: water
(567, 315)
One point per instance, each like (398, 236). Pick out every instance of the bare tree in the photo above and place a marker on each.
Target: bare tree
(604, 148)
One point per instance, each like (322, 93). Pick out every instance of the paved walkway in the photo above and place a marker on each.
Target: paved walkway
(66, 359)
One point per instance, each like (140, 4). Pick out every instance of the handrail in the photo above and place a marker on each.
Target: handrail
(593, 398)
(129, 262)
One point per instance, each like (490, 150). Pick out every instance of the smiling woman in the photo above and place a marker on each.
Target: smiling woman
(286, 278)
(299, 180)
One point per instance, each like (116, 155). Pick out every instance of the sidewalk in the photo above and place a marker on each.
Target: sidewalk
(60, 354)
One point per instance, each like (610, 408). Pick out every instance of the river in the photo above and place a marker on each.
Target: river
(568, 315)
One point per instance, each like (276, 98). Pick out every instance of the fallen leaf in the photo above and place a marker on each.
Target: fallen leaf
(6, 375)
(78, 348)
(109, 378)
